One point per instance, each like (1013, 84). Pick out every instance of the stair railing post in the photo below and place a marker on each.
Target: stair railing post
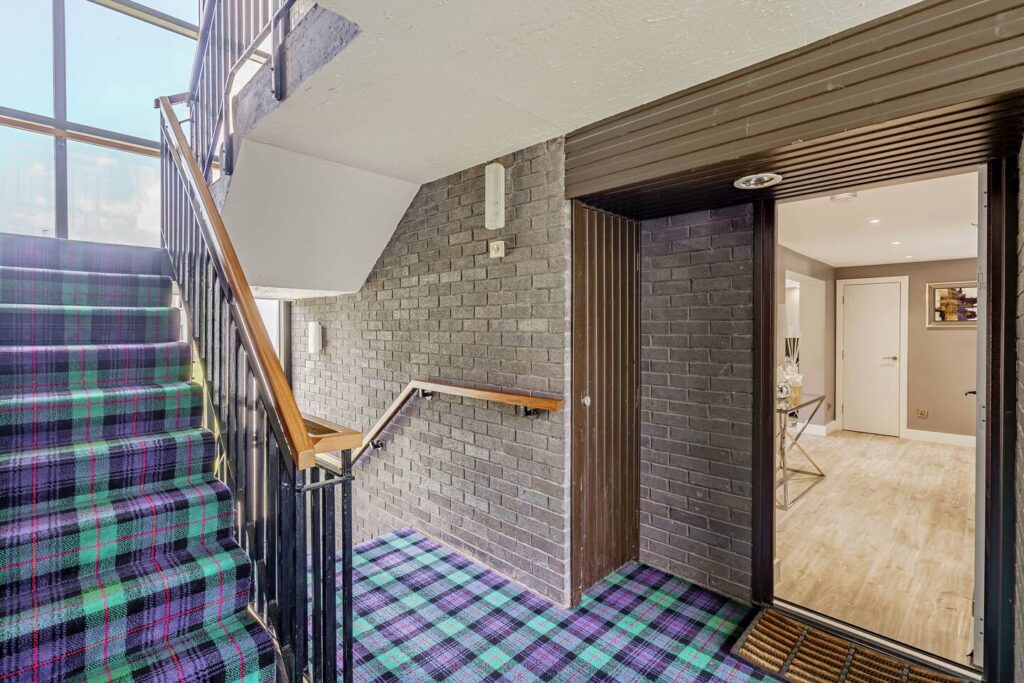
(347, 604)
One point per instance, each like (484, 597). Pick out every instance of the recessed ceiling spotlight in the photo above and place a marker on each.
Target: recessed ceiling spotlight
(843, 197)
(875, 221)
(757, 181)
(908, 257)
(897, 243)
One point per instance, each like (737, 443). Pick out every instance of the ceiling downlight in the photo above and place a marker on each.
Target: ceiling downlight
(757, 181)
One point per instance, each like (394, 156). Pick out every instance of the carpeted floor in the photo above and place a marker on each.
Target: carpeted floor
(425, 613)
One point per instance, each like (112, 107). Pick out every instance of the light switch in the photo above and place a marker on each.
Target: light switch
(497, 249)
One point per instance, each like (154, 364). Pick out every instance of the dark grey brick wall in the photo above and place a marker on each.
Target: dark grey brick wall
(696, 397)
(474, 475)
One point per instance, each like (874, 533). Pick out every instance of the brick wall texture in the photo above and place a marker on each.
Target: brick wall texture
(696, 397)
(474, 475)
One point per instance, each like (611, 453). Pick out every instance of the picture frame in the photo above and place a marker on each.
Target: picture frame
(951, 304)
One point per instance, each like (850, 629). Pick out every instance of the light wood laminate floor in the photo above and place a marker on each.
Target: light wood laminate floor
(886, 541)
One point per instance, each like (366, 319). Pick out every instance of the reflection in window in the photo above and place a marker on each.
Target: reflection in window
(117, 66)
(26, 51)
(113, 196)
(26, 183)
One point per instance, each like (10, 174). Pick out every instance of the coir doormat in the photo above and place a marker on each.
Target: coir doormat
(800, 653)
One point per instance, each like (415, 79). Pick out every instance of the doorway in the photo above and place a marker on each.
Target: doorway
(881, 536)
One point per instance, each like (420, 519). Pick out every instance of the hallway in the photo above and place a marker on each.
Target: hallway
(885, 541)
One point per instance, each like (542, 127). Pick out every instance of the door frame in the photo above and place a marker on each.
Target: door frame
(1003, 182)
(904, 282)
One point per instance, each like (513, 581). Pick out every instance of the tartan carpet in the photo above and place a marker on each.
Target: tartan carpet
(118, 558)
(425, 613)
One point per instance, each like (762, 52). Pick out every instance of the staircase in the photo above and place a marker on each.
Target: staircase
(118, 558)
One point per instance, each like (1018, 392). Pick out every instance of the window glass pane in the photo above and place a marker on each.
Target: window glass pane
(26, 51)
(271, 313)
(118, 65)
(26, 183)
(113, 196)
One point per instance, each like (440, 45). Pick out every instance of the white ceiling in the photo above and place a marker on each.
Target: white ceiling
(933, 220)
(431, 87)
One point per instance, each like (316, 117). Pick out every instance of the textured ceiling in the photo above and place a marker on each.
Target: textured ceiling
(432, 87)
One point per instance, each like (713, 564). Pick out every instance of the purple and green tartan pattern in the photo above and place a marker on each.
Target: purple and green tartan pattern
(80, 288)
(29, 324)
(425, 613)
(67, 417)
(33, 369)
(117, 552)
(80, 474)
(25, 251)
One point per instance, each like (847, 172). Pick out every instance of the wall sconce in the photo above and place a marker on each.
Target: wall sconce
(314, 336)
(494, 196)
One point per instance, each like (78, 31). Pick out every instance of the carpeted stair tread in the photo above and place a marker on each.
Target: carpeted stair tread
(124, 610)
(22, 324)
(82, 288)
(67, 417)
(39, 480)
(45, 252)
(33, 369)
(235, 648)
(55, 546)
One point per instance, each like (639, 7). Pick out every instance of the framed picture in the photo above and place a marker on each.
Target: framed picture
(952, 304)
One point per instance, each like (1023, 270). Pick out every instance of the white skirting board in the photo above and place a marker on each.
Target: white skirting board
(939, 437)
(819, 430)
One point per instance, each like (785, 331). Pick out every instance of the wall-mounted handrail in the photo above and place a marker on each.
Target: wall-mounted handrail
(267, 370)
(530, 404)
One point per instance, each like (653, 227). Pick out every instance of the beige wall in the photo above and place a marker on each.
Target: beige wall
(942, 363)
(789, 260)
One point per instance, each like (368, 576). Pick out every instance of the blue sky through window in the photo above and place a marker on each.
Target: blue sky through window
(117, 66)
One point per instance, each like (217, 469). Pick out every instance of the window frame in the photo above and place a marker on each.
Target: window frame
(60, 128)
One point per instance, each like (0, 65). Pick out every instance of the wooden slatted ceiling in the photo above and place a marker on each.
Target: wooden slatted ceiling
(932, 87)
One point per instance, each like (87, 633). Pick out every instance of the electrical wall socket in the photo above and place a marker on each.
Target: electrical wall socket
(922, 413)
(496, 249)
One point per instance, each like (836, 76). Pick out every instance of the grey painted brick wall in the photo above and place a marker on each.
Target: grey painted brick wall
(696, 397)
(472, 474)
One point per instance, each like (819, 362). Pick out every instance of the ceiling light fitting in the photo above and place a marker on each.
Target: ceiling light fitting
(875, 221)
(757, 181)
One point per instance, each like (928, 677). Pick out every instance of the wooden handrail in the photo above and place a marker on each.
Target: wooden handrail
(534, 403)
(269, 374)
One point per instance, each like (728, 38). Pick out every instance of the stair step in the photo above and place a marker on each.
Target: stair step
(85, 623)
(33, 324)
(75, 543)
(62, 418)
(31, 369)
(82, 288)
(235, 648)
(27, 251)
(35, 481)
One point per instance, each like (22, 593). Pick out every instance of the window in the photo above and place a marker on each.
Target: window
(26, 183)
(113, 196)
(26, 48)
(117, 65)
(99, 77)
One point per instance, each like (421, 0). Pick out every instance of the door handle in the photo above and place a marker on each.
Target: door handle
(972, 392)
(890, 357)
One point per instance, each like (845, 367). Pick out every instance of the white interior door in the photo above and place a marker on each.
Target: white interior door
(871, 357)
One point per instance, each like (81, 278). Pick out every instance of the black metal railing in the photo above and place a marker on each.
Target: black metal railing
(232, 33)
(285, 501)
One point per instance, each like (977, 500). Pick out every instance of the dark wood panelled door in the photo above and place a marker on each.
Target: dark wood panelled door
(605, 378)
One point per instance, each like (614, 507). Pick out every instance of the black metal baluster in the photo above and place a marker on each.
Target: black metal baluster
(347, 603)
